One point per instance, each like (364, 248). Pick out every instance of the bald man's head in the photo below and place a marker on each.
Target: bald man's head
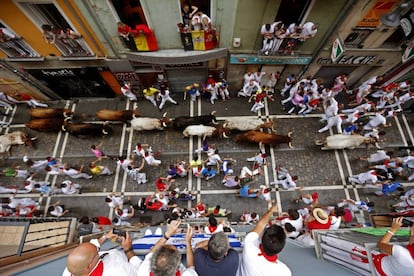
(82, 259)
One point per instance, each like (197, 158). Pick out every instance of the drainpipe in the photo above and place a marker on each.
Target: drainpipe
(339, 20)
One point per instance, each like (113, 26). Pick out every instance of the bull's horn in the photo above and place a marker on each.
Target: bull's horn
(104, 131)
(164, 115)
(225, 124)
(289, 134)
(213, 112)
(164, 124)
(63, 128)
(33, 138)
(290, 145)
(224, 135)
(68, 119)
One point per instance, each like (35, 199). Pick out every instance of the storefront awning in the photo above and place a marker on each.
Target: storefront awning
(255, 59)
(176, 56)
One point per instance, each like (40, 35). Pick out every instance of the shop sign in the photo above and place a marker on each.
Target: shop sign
(58, 72)
(407, 24)
(409, 52)
(245, 59)
(126, 76)
(373, 17)
(337, 50)
(184, 65)
(350, 60)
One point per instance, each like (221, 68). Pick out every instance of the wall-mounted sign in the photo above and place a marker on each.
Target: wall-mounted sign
(245, 59)
(337, 50)
(126, 76)
(409, 52)
(58, 72)
(352, 60)
(372, 18)
(407, 24)
(195, 64)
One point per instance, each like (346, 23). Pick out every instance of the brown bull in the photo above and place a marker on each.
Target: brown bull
(57, 113)
(116, 115)
(259, 137)
(50, 124)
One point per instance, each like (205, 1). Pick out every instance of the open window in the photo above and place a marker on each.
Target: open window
(13, 45)
(130, 12)
(56, 27)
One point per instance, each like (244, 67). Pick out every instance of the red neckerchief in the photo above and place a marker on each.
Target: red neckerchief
(377, 263)
(272, 259)
(410, 248)
(177, 273)
(212, 228)
(98, 270)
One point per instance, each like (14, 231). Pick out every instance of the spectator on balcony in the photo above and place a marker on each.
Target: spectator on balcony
(9, 40)
(267, 31)
(49, 34)
(398, 259)
(187, 13)
(309, 30)
(126, 34)
(261, 248)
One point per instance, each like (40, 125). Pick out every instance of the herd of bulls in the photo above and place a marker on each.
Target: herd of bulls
(60, 119)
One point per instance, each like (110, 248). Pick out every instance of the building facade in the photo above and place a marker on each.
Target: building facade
(55, 49)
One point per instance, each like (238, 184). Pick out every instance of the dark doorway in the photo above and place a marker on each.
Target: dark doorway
(71, 83)
(292, 11)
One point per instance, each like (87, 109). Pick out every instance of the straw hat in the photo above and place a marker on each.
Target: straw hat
(320, 215)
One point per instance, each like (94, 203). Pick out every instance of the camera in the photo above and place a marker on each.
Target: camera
(407, 222)
(183, 226)
(119, 232)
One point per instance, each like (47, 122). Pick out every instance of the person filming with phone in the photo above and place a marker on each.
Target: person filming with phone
(398, 259)
(87, 259)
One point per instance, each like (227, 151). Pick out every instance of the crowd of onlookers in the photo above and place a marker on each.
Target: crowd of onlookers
(365, 112)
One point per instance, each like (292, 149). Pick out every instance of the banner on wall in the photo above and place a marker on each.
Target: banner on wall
(373, 17)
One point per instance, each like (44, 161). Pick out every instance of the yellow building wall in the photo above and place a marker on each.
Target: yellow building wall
(13, 17)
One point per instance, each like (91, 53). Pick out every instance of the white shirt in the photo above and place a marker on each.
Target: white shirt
(247, 78)
(145, 268)
(400, 263)
(307, 30)
(116, 201)
(298, 223)
(254, 265)
(116, 263)
(57, 212)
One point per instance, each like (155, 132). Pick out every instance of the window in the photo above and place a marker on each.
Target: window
(395, 40)
(130, 12)
(292, 11)
(13, 45)
(357, 37)
(56, 28)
